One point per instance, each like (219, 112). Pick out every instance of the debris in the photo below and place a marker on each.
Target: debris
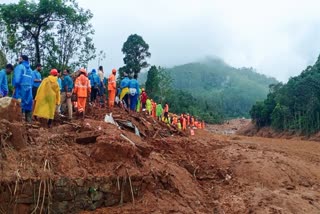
(130, 141)
(109, 119)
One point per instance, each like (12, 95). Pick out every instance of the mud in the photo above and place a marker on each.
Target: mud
(89, 166)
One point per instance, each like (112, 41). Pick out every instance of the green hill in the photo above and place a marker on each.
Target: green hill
(220, 87)
(292, 107)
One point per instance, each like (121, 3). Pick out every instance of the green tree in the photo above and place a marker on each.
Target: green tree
(3, 60)
(54, 31)
(164, 84)
(152, 83)
(136, 52)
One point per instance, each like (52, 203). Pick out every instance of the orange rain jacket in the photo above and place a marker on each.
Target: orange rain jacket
(166, 108)
(112, 85)
(82, 86)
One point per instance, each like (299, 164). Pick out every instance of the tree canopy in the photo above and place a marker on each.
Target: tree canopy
(294, 106)
(136, 52)
(52, 32)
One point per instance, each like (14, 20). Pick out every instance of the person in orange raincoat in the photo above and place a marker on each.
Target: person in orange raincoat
(112, 88)
(192, 121)
(47, 98)
(82, 88)
(184, 123)
(154, 109)
(203, 124)
(175, 121)
(188, 120)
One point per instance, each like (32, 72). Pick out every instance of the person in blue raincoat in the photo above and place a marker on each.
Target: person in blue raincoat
(95, 84)
(4, 90)
(22, 82)
(134, 92)
(124, 86)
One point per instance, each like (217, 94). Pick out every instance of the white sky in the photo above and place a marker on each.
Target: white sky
(277, 37)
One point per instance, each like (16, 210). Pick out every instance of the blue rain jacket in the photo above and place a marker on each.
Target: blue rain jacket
(3, 83)
(22, 82)
(94, 79)
(36, 76)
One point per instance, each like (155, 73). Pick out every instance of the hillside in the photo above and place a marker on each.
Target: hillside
(293, 107)
(220, 87)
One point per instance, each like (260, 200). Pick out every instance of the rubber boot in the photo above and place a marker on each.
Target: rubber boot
(28, 115)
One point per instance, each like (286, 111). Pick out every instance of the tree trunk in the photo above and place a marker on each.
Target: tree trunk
(37, 44)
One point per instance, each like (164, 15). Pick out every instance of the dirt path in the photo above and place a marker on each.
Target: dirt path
(236, 174)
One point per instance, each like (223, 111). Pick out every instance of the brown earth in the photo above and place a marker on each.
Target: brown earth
(90, 166)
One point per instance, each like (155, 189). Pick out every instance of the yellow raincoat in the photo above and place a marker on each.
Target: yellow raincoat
(123, 93)
(48, 96)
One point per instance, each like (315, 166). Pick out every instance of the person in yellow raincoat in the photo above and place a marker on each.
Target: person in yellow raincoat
(149, 106)
(47, 98)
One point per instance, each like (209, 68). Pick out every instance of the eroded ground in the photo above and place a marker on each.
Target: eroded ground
(87, 166)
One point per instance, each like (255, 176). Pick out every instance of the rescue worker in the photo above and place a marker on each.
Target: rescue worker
(133, 92)
(138, 109)
(22, 82)
(124, 86)
(112, 88)
(4, 90)
(60, 87)
(184, 123)
(36, 76)
(154, 109)
(102, 89)
(66, 92)
(82, 88)
(188, 120)
(95, 84)
(192, 121)
(166, 111)
(203, 124)
(143, 99)
(47, 98)
(148, 106)
(175, 121)
(159, 111)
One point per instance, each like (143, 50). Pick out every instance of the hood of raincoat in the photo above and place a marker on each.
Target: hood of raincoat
(53, 78)
(83, 79)
(93, 71)
(26, 64)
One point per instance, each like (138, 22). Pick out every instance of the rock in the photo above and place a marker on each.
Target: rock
(63, 194)
(62, 182)
(79, 182)
(60, 207)
(105, 187)
(96, 196)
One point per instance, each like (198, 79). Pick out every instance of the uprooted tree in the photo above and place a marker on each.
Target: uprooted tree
(136, 52)
(52, 32)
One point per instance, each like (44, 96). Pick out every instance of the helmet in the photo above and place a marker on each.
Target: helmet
(54, 72)
(82, 70)
(114, 71)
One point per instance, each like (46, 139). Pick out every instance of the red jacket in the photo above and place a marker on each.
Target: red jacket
(144, 97)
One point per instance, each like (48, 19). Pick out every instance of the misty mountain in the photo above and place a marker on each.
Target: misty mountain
(220, 87)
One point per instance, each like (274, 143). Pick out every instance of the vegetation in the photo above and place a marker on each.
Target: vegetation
(294, 106)
(56, 33)
(3, 60)
(212, 89)
(136, 51)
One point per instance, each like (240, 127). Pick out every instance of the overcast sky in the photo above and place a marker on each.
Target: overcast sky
(277, 37)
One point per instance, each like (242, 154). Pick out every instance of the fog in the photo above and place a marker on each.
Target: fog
(278, 38)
